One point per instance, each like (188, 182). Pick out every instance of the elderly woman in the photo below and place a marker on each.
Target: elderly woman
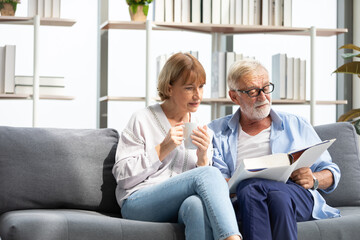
(158, 178)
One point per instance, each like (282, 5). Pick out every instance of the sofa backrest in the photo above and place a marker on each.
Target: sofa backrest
(345, 153)
(57, 168)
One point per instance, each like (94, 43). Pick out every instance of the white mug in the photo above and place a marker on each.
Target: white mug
(188, 131)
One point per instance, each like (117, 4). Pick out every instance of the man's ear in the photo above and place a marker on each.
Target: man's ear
(233, 95)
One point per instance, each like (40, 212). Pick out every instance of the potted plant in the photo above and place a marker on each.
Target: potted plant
(351, 68)
(138, 9)
(8, 7)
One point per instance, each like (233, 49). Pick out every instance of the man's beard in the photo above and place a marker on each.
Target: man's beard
(254, 113)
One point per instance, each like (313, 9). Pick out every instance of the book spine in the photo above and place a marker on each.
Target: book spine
(169, 11)
(9, 68)
(2, 69)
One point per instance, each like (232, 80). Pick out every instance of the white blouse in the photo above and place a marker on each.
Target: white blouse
(137, 164)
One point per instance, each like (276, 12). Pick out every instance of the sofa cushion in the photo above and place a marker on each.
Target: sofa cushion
(57, 168)
(345, 153)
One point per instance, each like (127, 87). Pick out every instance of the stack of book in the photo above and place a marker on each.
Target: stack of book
(289, 77)
(7, 68)
(49, 85)
(244, 12)
(44, 8)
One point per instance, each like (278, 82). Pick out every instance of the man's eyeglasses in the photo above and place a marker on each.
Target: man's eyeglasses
(256, 91)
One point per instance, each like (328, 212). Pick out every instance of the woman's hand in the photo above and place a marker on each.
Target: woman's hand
(201, 139)
(173, 138)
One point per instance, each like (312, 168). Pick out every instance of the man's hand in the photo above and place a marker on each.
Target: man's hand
(303, 177)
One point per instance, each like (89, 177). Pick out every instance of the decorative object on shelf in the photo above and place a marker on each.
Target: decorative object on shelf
(351, 67)
(353, 115)
(138, 9)
(8, 7)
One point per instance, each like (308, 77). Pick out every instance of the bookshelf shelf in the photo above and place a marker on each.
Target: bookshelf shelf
(43, 21)
(29, 96)
(221, 28)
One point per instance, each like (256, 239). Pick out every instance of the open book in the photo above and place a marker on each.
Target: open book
(278, 166)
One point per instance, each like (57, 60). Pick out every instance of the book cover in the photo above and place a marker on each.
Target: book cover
(195, 11)
(9, 77)
(159, 15)
(2, 70)
(206, 11)
(56, 6)
(279, 75)
(287, 16)
(232, 10)
(230, 59)
(245, 12)
(238, 11)
(177, 11)
(289, 77)
(43, 80)
(302, 80)
(169, 11)
(216, 11)
(32, 8)
(225, 11)
(278, 166)
(296, 78)
(58, 91)
(218, 79)
(48, 8)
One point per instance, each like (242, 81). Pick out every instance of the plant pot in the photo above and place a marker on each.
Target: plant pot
(139, 15)
(7, 10)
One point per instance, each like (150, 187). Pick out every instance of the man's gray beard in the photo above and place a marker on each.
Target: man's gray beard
(257, 114)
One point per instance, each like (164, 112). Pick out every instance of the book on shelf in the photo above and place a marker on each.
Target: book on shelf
(177, 11)
(232, 10)
(230, 59)
(32, 8)
(251, 13)
(40, 8)
(265, 12)
(238, 11)
(257, 12)
(245, 12)
(302, 80)
(216, 11)
(185, 11)
(218, 78)
(159, 11)
(43, 90)
(56, 7)
(9, 75)
(169, 11)
(2, 69)
(225, 12)
(287, 15)
(206, 11)
(278, 166)
(277, 12)
(296, 78)
(289, 77)
(47, 8)
(279, 75)
(45, 81)
(195, 11)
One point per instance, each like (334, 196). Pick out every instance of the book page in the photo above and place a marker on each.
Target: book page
(268, 161)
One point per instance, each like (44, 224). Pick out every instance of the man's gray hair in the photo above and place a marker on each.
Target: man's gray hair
(242, 68)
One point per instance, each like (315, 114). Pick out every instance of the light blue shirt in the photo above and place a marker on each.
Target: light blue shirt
(288, 132)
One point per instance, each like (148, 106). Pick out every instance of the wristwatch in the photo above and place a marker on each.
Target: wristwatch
(316, 183)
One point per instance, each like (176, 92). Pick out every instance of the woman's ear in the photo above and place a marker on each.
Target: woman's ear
(169, 88)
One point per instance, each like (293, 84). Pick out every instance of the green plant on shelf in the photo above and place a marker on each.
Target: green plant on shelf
(135, 3)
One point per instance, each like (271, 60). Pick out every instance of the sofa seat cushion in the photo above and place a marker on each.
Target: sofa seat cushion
(344, 227)
(68, 224)
(57, 168)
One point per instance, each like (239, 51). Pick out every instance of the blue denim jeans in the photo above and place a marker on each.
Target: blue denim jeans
(198, 198)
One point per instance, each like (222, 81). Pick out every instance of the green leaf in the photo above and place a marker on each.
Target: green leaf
(350, 55)
(146, 9)
(134, 8)
(352, 68)
(350, 46)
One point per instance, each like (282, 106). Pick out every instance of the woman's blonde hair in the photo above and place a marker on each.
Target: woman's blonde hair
(242, 68)
(180, 67)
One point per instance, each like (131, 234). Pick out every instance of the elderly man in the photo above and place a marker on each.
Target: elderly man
(269, 209)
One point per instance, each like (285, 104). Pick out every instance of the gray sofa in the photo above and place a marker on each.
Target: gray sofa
(56, 184)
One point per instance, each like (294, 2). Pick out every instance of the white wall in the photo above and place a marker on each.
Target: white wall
(71, 52)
